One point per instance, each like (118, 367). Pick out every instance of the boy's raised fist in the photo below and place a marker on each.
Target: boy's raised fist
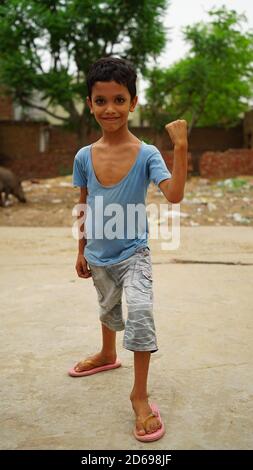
(177, 131)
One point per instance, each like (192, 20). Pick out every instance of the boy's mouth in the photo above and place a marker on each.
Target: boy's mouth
(110, 119)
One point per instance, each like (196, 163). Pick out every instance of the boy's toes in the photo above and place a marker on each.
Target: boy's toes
(82, 365)
(78, 367)
(154, 427)
(139, 428)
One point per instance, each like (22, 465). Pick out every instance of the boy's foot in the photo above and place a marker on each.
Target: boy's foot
(91, 362)
(142, 411)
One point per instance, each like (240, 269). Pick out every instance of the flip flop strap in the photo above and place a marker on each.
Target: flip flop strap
(144, 421)
(88, 362)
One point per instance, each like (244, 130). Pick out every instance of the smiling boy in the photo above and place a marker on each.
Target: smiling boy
(118, 168)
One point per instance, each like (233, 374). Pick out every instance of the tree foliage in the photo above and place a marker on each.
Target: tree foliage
(47, 46)
(213, 85)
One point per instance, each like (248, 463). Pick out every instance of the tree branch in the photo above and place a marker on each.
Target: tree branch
(196, 115)
(41, 108)
(70, 107)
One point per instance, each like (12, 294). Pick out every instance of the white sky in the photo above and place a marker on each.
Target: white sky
(187, 12)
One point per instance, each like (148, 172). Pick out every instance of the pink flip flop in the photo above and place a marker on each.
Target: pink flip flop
(154, 436)
(95, 370)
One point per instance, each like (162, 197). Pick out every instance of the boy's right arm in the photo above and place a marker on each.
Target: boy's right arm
(81, 263)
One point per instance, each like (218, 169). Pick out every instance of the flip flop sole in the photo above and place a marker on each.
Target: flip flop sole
(95, 370)
(154, 436)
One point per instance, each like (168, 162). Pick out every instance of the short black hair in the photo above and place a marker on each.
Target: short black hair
(111, 68)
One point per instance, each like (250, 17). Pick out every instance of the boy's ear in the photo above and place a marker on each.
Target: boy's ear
(88, 101)
(133, 103)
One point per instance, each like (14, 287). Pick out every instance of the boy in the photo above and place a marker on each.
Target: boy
(116, 170)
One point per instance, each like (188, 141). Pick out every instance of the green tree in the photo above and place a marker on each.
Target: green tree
(47, 46)
(212, 86)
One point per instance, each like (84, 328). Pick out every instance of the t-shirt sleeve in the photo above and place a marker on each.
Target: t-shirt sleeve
(79, 177)
(157, 168)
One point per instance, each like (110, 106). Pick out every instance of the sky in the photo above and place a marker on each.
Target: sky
(187, 12)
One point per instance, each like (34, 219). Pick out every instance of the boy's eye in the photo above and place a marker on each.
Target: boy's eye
(119, 99)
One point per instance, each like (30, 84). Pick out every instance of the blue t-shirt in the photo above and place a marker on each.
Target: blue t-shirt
(116, 220)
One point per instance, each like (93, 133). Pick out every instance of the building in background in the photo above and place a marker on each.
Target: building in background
(12, 111)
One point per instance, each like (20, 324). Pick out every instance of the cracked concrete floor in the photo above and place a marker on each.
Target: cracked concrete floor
(201, 377)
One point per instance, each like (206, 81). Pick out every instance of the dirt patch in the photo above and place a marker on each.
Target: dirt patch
(206, 202)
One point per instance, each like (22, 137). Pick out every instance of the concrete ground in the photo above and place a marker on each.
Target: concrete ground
(201, 377)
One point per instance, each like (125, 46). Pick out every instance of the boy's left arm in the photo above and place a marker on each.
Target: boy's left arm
(173, 188)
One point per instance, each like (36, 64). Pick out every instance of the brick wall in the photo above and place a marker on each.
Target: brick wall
(226, 164)
(21, 149)
(19, 140)
(215, 138)
(248, 129)
(6, 107)
(36, 149)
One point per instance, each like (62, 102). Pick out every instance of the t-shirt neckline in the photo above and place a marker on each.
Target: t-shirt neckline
(125, 177)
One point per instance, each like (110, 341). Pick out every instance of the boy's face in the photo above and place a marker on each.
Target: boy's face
(110, 103)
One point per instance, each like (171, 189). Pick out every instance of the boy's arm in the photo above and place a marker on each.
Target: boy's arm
(82, 240)
(173, 188)
(81, 263)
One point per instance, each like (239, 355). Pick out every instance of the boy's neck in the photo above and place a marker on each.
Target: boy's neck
(122, 136)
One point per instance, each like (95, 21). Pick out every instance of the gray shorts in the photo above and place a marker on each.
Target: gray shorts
(134, 274)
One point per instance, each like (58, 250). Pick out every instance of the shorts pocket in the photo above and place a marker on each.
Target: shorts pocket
(144, 269)
(147, 273)
(145, 278)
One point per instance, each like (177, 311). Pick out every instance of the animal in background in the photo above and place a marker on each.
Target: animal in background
(10, 184)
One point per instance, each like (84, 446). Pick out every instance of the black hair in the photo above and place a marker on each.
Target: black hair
(111, 68)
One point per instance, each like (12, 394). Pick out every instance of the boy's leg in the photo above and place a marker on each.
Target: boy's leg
(110, 312)
(141, 367)
(139, 394)
(107, 355)
(108, 343)
(140, 335)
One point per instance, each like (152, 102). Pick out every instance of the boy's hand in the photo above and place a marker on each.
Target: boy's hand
(81, 267)
(177, 131)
